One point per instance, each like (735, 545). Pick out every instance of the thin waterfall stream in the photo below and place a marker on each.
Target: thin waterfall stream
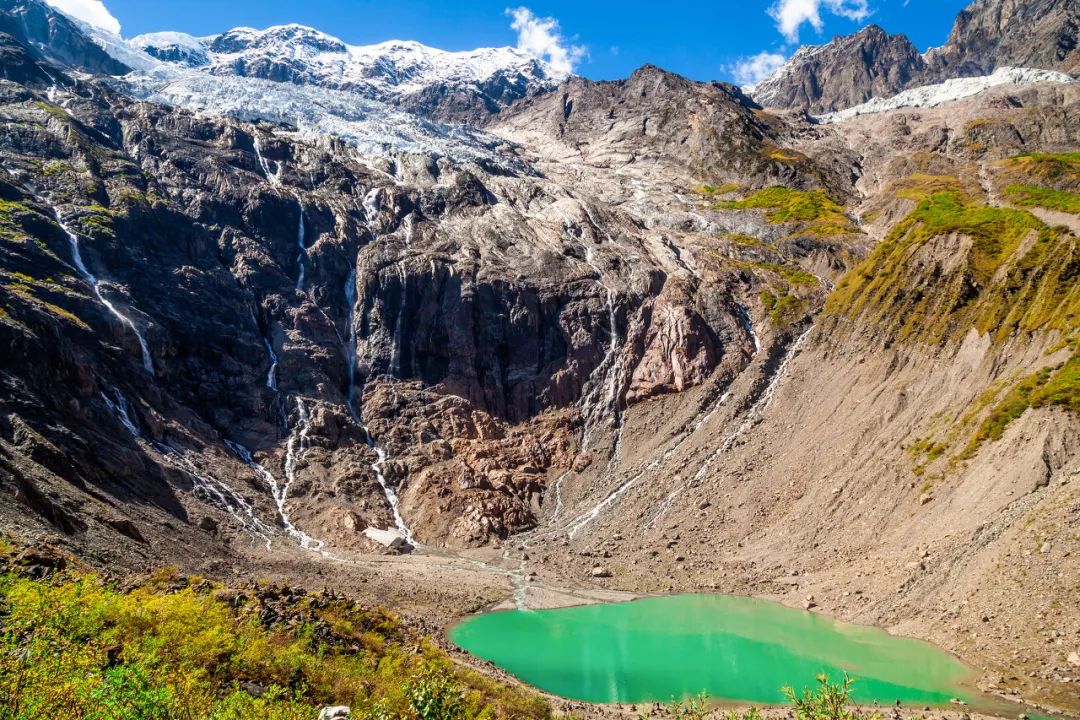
(95, 284)
(205, 487)
(753, 416)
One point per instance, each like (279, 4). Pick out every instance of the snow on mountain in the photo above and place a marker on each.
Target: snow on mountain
(934, 95)
(375, 128)
(385, 99)
(402, 73)
(174, 47)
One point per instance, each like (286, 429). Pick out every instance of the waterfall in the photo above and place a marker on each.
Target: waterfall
(218, 494)
(301, 233)
(95, 284)
(278, 493)
(748, 325)
(350, 344)
(578, 523)
(399, 325)
(391, 496)
(209, 489)
(557, 487)
(754, 416)
(372, 204)
(274, 178)
(300, 435)
(119, 406)
(603, 398)
(271, 375)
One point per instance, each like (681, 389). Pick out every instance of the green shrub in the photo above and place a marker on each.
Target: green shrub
(829, 702)
(77, 648)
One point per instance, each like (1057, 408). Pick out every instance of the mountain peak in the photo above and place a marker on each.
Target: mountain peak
(845, 72)
(988, 34)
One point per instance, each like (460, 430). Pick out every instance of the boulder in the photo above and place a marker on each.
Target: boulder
(389, 539)
(335, 712)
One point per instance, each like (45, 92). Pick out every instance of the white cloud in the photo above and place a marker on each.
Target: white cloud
(791, 14)
(749, 71)
(541, 38)
(92, 12)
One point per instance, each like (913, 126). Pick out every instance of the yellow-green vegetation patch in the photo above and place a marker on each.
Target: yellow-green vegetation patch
(745, 240)
(54, 168)
(1017, 275)
(792, 274)
(1051, 167)
(920, 186)
(784, 308)
(722, 189)
(97, 219)
(54, 110)
(76, 647)
(10, 227)
(817, 213)
(134, 197)
(25, 292)
(1032, 196)
(1050, 387)
(784, 155)
(789, 205)
(979, 123)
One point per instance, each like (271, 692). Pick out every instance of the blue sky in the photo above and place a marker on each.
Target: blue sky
(704, 40)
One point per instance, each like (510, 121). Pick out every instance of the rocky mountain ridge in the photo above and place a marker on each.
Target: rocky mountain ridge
(987, 35)
(460, 87)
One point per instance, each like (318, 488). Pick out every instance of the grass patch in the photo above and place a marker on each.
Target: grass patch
(1056, 169)
(783, 155)
(819, 214)
(76, 647)
(795, 276)
(26, 293)
(920, 186)
(722, 189)
(1050, 387)
(788, 205)
(784, 308)
(745, 240)
(994, 288)
(55, 168)
(1032, 196)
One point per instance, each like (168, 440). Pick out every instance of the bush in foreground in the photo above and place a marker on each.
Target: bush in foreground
(77, 647)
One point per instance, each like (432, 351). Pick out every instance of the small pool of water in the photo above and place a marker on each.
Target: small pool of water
(735, 649)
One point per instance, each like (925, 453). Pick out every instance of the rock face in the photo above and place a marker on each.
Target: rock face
(988, 34)
(846, 72)
(1022, 33)
(667, 335)
(235, 307)
(51, 35)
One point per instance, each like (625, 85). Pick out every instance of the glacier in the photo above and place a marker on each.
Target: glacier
(930, 96)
